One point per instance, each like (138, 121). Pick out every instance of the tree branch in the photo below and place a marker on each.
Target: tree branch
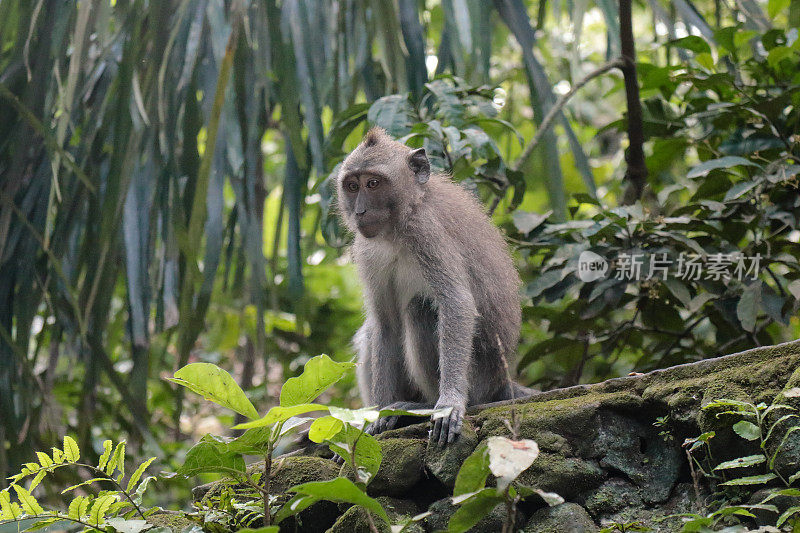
(553, 112)
(636, 172)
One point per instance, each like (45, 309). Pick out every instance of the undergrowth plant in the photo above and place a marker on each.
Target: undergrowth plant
(767, 427)
(247, 500)
(117, 509)
(505, 459)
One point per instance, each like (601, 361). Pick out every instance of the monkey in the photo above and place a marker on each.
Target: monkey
(441, 293)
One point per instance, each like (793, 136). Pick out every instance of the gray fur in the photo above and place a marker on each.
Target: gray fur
(440, 289)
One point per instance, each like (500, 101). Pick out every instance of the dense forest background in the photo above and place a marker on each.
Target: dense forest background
(164, 191)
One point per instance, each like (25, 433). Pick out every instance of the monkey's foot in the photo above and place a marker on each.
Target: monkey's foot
(447, 427)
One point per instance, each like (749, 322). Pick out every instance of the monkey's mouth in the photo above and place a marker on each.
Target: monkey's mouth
(369, 229)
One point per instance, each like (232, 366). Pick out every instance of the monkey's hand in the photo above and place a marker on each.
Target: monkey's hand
(447, 426)
(382, 424)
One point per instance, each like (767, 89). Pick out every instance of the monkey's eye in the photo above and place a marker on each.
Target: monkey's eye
(371, 184)
(352, 186)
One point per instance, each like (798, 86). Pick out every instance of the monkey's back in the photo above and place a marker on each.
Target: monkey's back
(480, 246)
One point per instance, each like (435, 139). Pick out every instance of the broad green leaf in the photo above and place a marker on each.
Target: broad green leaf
(747, 430)
(392, 113)
(205, 457)
(28, 502)
(741, 462)
(122, 525)
(509, 458)
(748, 306)
(727, 161)
(357, 417)
(752, 480)
(216, 385)
(363, 446)
(473, 509)
(280, 414)
(137, 474)
(108, 447)
(324, 428)
(318, 374)
(340, 490)
(692, 42)
(71, 450)
(473, 472)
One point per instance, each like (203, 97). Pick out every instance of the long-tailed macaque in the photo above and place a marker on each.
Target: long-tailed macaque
(440, 289)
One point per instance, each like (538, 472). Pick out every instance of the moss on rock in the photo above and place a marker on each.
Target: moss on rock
(564, 518)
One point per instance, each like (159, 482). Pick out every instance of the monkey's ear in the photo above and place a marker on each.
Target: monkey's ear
(418, 161)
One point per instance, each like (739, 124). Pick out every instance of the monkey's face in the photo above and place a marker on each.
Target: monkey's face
(368, 202)
(379, 182)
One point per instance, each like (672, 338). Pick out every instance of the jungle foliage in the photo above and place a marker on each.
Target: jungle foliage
(164, 200)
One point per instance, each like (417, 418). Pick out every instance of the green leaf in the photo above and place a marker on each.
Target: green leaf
(267, 529)
(121, 525)
(83, 483)
(318, 374)
(324, 428)
(117, 459)
(788, 513)
(752, 480)
(137, 474)
(280, 414)
(774, 7)
(741, 462)
(747, 430)
(392, 113)
(340, 490)
(748, 306)
(99, 508)
(76, 507)
(694, 43)
(367, 451)
(216, 385)
(472, 509)
(28, 502)
(6, 510)
(714, 164)
(206, 457)
(71, 450)
(44, 459)
(107, 448)
(473, 472)
(41, 524)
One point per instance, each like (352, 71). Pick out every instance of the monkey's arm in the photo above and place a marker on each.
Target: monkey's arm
(446, 273)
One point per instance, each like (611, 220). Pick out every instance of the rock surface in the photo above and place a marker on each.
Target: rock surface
(599, 448)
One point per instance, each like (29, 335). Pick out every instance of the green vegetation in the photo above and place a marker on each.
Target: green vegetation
(166, 211)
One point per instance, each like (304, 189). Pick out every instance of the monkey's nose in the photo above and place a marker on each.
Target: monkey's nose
(360, 212)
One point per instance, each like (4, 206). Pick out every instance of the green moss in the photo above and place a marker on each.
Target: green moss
(401, 467)
(175, 522)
